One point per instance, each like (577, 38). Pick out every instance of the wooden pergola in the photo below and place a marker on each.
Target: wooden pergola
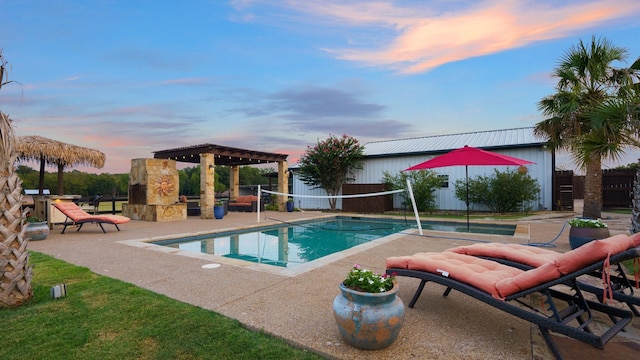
(210, 155)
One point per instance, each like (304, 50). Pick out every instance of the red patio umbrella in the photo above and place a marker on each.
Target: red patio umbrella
(469, 156)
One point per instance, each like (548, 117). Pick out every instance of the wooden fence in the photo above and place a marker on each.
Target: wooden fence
(617, 185)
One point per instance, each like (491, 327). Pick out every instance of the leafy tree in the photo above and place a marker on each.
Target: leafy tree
(423, 183)
(632, 166)
(594, 113)
(502, 192)
(331, 163)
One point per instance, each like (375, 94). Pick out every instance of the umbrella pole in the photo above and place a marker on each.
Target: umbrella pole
(466, 172)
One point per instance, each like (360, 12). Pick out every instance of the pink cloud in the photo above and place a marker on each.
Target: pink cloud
(427, 38)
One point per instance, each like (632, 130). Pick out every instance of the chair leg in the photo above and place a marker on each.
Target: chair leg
(417, 293)
(550, 343)
(102, 227)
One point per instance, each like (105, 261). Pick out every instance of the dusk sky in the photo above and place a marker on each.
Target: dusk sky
(132, 77)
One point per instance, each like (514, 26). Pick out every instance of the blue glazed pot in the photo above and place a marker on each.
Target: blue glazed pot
(290, 206)
(368, 321)
(218, 212)
(579, 236)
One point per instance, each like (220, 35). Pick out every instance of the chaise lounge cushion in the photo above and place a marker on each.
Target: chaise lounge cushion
(530, 255)
(592, 252)
(501, 280)
(482, 274)
(76, 214)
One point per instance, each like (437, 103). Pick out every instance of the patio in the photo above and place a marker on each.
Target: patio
(298, 308)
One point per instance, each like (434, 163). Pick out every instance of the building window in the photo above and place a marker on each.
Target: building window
(444, 181)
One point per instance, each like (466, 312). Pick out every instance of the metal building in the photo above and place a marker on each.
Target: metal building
(396, 155)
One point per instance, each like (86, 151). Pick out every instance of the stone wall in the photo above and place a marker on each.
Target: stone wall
(154, 187)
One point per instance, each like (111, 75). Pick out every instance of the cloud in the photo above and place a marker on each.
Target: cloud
(294, 115)
(424, 36)
(312, 103)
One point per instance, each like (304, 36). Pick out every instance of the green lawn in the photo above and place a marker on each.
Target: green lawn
(103, 318)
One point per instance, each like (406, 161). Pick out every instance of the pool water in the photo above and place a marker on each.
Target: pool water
(291, 244)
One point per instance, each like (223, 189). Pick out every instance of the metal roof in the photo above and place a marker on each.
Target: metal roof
(493, 139)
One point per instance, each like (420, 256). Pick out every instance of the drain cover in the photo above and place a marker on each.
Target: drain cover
(210, 266)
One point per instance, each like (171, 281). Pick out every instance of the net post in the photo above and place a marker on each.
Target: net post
(415, 209)
(259, 198)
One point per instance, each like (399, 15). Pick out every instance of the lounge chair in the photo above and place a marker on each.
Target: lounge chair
(505, 287)
(76, 216)
(528, 257)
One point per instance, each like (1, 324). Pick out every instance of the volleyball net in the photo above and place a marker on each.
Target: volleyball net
(349, 196)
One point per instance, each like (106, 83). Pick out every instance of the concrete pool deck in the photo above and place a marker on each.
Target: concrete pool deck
(297, 307)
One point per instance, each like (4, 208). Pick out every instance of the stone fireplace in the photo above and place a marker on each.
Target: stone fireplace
(154, 187)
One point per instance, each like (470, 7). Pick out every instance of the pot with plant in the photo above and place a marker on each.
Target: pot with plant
(36, 228)
(368, 313)
(218, 210)
(290, 205)
(584, 230)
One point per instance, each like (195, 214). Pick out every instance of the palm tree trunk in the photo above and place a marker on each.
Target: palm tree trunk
(593, 189)
(15, 272)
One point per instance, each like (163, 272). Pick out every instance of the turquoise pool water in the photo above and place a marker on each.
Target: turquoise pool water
(291, 244)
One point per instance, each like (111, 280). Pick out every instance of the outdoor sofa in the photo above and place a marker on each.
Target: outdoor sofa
(248, 203)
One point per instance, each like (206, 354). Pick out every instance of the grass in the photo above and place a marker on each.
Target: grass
(103, 318)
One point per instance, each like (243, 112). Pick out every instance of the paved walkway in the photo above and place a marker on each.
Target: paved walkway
(297, 306)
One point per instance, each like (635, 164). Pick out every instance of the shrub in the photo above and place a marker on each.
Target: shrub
(502, 192)
(423, 182)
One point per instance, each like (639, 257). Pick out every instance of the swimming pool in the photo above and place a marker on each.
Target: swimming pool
(292, 244)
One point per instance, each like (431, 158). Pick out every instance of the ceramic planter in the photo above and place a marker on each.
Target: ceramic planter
(218, 211)
(579, 236)
(368, 320)
(290, 206)
(37, 230)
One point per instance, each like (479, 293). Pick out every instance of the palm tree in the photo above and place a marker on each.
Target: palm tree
(15, 272)
(591, 113)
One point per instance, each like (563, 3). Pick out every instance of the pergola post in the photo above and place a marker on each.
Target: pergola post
(207, 186)
(283, 185)
(234, 182)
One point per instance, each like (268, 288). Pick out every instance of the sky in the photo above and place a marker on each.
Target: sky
(132, 77)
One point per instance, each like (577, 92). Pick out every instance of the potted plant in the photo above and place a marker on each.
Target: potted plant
(368, 313)
(36, 228)
(218, 209)
(290, 205)
(584, 230)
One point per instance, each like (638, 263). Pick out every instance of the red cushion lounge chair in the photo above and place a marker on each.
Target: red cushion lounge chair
(527, 257)
(506, 287)
(76, 216)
